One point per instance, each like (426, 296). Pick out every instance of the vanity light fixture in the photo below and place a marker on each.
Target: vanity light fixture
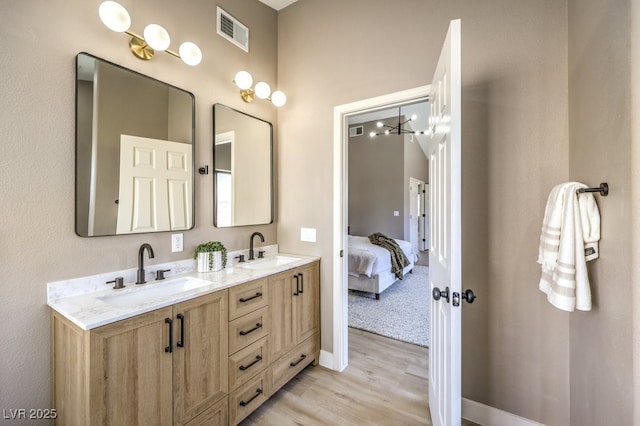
(397, 130)
(154, 38)
(262, 90)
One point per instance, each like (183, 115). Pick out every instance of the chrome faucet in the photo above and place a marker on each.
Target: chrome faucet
(251, 243)
(141, 276)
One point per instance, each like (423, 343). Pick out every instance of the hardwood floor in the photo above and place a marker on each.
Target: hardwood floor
(386, 383)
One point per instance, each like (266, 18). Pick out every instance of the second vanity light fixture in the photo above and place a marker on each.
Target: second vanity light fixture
(155, 38)
(262, 90)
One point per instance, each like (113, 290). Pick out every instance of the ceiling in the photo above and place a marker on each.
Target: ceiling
(278, 4)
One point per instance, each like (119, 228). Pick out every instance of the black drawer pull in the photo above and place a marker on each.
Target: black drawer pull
(250, 298)
(255, 361)
(302, 357)
(296, 276)
(169, 348)
(245, 403)
(301, 283)
(180, 343)
(244, 333)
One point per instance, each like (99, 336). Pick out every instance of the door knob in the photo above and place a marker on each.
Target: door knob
(437, 294)
(468, 296)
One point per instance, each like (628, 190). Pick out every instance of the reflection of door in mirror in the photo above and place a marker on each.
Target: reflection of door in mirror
(154, 185)
(243, 169)
(224, 178)
(112, 102)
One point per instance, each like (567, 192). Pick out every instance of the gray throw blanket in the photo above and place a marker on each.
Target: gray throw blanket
(398, 259)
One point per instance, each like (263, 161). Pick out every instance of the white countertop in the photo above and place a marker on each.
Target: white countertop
(88, 304)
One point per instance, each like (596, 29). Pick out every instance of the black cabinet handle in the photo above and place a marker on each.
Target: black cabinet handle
(250, 298)
(297, 285)
(245, 403)
(180, 343)
(244, 333)
(301, 283)
(169, 348)
(255, 361)
(293, 364)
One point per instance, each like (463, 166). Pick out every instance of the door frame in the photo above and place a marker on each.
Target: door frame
(340, 201)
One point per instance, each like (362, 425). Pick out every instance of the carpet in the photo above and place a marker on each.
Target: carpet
(402, 312)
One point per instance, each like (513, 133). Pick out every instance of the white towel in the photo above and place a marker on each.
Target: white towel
(569, 237)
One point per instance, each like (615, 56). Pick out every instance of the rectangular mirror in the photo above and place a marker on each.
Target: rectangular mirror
(243, 168)
(135, 142)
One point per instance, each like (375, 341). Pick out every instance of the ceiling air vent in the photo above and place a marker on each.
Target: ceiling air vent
(356, 131)
(231, 29)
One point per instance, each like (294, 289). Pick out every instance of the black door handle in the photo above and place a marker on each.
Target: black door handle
(301, 283)
(437, 294)
(468, 296)
(245, 403)
(251, 364)
(243, 300)
(297, 277)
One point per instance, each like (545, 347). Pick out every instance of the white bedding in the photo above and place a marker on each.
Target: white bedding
(369, 259)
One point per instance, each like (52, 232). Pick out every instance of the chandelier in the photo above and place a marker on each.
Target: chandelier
(399, 128)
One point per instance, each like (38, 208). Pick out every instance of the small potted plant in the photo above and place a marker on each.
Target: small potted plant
(210, 256)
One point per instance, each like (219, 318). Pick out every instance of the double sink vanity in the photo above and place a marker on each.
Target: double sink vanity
(194, 348)
(186, 348)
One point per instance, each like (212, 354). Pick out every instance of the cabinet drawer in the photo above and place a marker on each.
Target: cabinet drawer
(293, 362)
(247, 329)
(247, 298)
(216, 415)
(248, 362)
(247, 398)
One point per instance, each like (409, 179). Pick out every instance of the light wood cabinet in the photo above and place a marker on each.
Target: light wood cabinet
(200, 376)
(211, 360)
(295, 308)
(165, 367)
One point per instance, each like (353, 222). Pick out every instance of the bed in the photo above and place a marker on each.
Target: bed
(370, 265)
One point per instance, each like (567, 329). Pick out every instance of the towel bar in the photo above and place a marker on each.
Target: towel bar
(603, 189)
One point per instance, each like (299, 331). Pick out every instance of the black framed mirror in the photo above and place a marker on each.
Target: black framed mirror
(135, 140)
(243, 168)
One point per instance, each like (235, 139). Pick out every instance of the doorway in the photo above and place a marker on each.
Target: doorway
(340, 157)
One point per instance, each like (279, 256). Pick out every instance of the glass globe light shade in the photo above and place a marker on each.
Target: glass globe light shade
(414, 117)
(157, 37)
(379, 124)
(114, 16)
(190, 53)
(243, 80)
(278, 98)
(372, 134)
(262, 90)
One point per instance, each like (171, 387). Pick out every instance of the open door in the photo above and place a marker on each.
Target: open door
(445, 251)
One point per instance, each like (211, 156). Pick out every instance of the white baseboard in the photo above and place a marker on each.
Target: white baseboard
(490, 416)
(326, 359)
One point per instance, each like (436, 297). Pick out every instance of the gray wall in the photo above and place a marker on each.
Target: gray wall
(515, 137)
(40, 40)
(600, 145)
(376, 173)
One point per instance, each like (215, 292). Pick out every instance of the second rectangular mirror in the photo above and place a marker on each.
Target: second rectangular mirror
(243, 169)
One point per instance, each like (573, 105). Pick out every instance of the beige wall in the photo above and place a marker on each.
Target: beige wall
(515, 134)
(39, 42)
(600, 146)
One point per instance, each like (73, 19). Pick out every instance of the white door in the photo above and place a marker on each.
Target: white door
(155, 185)
(414, 213)
(445, 233)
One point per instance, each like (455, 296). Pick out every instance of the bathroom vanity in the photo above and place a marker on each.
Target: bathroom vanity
(194, 349)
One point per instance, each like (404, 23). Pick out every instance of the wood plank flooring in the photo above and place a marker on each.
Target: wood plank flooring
(386, 383)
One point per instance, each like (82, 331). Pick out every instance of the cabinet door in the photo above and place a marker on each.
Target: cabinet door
(131, 372)
(200, 355)
(281, 290)
(306, 304)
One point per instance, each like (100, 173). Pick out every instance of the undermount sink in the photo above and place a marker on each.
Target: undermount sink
(268, 263)
(153, 291)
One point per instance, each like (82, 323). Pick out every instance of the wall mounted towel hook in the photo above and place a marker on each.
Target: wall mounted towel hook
(603, 189)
